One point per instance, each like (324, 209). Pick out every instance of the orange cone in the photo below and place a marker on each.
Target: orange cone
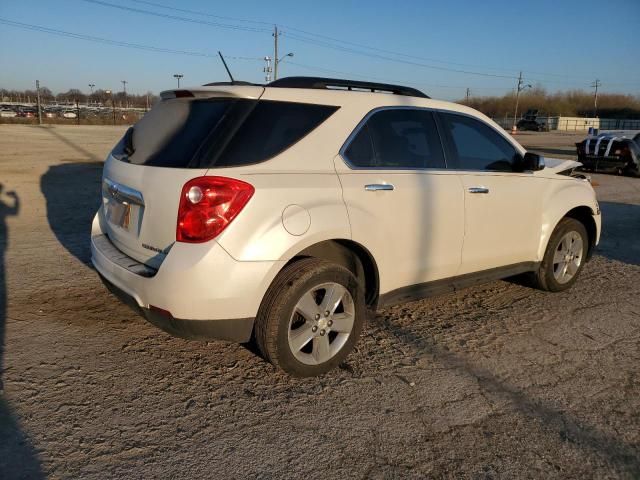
(514, 130)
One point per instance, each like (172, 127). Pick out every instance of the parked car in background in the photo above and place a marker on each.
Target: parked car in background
(283, 212)
(7, 113)
(611, 152)
(26, 113)
(529, 122)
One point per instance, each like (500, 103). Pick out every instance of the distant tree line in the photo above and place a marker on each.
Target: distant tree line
(72, 95)
(571, 103)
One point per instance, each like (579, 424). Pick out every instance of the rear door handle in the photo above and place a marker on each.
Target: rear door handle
(478, 190)
(374, 187)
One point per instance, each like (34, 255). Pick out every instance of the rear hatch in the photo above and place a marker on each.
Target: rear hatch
(188, 134)
(173, 143)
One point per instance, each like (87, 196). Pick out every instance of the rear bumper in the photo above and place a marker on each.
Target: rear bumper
(235, 330)
(199, 291)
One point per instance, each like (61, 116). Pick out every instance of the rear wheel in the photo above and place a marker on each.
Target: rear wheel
(565, 256)
(310, 318)
(631, 171)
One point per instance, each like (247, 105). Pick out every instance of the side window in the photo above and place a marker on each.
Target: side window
(397, 138)
(360, 151)
(476, 146)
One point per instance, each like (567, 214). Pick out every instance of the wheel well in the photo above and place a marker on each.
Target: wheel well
(585, 216)
(352, 256)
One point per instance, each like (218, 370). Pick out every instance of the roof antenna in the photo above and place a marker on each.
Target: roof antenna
(225, 66)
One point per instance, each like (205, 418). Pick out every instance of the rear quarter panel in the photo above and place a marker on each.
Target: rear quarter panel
(258, 233)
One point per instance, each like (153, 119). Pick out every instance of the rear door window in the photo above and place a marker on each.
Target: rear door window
(402, 138)
(208, 133)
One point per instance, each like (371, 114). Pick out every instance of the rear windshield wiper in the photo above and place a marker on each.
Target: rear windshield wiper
(128, 142)
(124, 149)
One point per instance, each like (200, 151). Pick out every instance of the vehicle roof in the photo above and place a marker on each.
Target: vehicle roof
(337, 97)
(331, 135)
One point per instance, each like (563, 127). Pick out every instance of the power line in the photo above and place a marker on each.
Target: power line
(336, 40)
(383, 57)
(397, 60)
(176, 17)
(107, 41)
(205, 14)
(294, 36)
(368, 47)
(387, 80)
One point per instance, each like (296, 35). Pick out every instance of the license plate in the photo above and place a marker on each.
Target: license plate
(119, 213)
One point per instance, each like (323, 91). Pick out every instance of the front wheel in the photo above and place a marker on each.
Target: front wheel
(310, 318)
(564, 258)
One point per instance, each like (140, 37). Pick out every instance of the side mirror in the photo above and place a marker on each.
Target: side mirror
(532, 162)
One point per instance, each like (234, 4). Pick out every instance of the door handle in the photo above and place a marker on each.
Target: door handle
(478, 190)
(374, 187)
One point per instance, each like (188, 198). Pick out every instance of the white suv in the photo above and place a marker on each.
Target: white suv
(281, 213)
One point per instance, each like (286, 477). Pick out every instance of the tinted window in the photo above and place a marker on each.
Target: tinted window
(269, 129)
(476, 146)
(360, 151)
(171, 133)
(194, 133)
(397, 138)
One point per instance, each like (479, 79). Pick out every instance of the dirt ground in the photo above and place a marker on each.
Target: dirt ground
(497, 381)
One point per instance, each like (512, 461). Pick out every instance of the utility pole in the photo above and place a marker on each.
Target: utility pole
(124, 89)
(113, 105)
(267, 69)
(178, 76)
(91, 85)
(468, 95)
(595, 85)
(520, 88)
(275, 34)
(38, 97)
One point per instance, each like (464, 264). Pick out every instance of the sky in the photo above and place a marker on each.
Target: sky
(440, 47)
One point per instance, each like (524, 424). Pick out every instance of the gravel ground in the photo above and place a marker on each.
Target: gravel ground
(497, 381)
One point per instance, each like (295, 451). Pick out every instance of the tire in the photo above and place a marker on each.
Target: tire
(549, 275)
(631, 171)
(287, 318)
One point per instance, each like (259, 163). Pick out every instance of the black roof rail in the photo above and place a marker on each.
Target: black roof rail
(338, 83)
(230, 84)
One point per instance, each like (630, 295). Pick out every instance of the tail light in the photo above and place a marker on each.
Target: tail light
(208, 205)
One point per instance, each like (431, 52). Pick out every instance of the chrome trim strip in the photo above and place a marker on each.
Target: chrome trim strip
(356, 130)
(122, 192)
(375, 187)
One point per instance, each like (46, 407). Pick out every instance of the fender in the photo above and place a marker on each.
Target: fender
(563, 198)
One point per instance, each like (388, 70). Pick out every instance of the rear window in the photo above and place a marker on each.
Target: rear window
(198, 133)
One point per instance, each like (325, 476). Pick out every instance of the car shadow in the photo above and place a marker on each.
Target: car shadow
(620, 238)
(72, 194)
(82, 151)
(18, 458)
(568, 426)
